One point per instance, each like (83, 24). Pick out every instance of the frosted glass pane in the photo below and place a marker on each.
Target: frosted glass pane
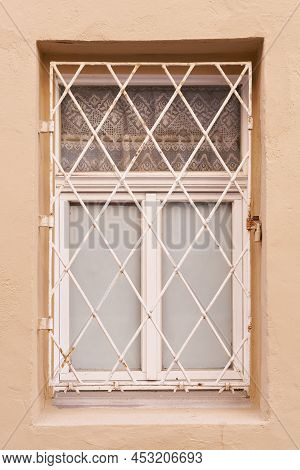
(95, 268)
(204, 269)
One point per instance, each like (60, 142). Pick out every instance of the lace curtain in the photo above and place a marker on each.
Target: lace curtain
(177, 134)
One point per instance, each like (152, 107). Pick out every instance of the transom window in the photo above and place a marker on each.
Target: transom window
(149, 253)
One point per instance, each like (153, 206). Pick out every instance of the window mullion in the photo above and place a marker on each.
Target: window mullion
(151, 286)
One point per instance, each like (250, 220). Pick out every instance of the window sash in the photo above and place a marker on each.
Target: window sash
(151, 343)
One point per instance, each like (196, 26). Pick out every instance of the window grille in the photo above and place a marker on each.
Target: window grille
(181, 146)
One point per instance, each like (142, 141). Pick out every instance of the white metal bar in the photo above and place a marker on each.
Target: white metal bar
(205, 316)
(94, 314)
(228, 81)
(50, 233)
(246, 338)
(206, 133)
(98, 128)
(68, 87)
(247, 313)
(180, 64)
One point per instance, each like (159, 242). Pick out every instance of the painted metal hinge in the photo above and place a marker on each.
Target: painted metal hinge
(250, 123)
(46, 126)
(254, 223)
(45, 324)
(46, 221)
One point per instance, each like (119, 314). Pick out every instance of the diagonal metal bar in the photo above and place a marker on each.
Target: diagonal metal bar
(65, 360)
(205, 316)
(94, 314)
(98, 128)
(204, 132)
(229, 83)
(246, 338)
(71, 82)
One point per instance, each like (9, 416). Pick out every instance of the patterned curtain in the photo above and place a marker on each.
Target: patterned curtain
(177, 133)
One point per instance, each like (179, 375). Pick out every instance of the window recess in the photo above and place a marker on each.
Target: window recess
(149, 253)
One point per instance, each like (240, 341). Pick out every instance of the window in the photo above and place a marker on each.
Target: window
(149, 253)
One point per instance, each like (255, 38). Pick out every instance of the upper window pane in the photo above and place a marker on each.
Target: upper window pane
(177, 134)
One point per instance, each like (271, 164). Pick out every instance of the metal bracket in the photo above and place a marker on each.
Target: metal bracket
(115, 387)
(71, 388)
(46, 221)
(227, 387)
(250, 123)
(254, 223)
(46, 126)
(45, 324)
(181, 386)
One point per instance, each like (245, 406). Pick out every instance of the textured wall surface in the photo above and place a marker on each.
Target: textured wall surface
(28, 31)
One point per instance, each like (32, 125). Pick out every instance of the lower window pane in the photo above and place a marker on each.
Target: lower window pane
(204, 269)
(95, 268)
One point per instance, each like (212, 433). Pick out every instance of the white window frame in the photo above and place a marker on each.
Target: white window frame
(202, 186)
(151, 342)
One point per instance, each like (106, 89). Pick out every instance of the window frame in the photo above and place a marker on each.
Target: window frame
(148, 360)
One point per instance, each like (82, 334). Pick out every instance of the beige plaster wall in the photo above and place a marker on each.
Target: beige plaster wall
(29, 32)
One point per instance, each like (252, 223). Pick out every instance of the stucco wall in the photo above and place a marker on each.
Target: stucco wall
(28, 33)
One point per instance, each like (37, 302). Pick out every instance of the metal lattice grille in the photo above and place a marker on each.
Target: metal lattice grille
(62, 371)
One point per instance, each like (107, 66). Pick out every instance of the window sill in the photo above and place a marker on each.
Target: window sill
(156, 408)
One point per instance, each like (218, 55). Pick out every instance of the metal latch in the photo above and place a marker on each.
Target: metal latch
(45, 323)
(254, 223)
(46, 126)
(46, 221)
